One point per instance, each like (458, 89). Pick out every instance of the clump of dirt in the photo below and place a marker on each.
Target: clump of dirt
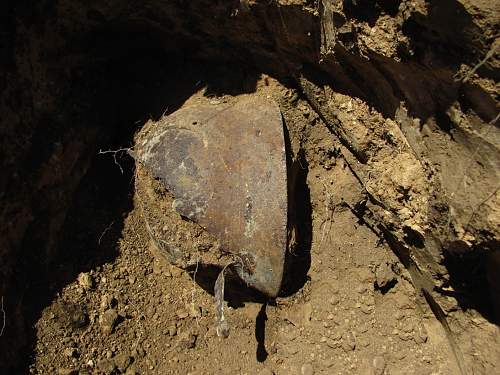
(179, 241)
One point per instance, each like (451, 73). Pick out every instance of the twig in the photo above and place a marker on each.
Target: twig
(3, 317)
(104, 232)
(329, 210)
(114, 152)
(193, 290)
(474, 211)
(490, 53)
(329, 118)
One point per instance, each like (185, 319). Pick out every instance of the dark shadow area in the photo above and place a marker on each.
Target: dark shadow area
(224, 81)
(413, 238)
(472, 97)
(448, 34)
(236, 292)
(114, 97)
(260, 334)
(384, 289)
(370, 10)
(298, 256)
(473, 277)
(469, 283)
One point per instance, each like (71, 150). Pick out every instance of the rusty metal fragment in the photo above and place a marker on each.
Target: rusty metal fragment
(225, 166)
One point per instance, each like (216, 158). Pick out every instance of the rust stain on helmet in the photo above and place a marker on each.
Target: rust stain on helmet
(225, 165)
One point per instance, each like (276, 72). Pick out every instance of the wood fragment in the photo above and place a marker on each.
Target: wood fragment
(331, 121)
(328, 30)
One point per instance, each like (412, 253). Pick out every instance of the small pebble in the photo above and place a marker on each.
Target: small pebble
(333, 300)
(175, 272)
(108, 321)
(122, 361)
(187, 340)
(348, 342)
(420, 334)
(106, 366)
(172, 330)
(194, 311)
(85, 280)
(384, 275)
(378, 365)
(307, 369)
(70, 352)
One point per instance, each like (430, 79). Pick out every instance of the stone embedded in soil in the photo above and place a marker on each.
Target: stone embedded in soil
(300, 315)
(108, 301)
(334, 344)
(175, 271)
(348, 341)
(108, 321)
(157, 267)
(307, 369)
(420, 334)
(106, 366)
(187, 340)
(334, 300)
(306, 313)
(72, 315)
(172, 330)
(384, 275)
(122, 361)
(378, 365)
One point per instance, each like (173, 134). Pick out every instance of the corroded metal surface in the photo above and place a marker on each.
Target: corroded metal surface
(225, 165)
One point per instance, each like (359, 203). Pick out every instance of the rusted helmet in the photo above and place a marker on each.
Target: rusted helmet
(211, 181)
